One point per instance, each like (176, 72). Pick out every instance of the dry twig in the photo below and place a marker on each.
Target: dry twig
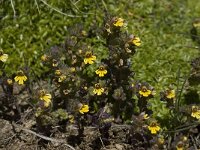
(59, 10)
(11, 1)
(42, 136)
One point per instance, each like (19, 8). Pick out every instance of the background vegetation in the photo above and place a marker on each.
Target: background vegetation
(29, 28)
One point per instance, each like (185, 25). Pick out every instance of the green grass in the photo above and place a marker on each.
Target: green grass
(163, 26)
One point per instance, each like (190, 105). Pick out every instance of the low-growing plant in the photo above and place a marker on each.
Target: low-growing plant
(90, 85)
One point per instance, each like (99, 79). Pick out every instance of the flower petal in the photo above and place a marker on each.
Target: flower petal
(21, 81)
(16, 79)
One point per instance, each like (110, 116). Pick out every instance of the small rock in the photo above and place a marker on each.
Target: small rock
(119, 147)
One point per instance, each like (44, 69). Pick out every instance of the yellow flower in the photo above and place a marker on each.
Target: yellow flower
(71, 118)
(45, 97)
(44, 57)
(89, 58)
(146, 116)
(161, 140)
(55, 63)
(84, 33)
(98, 89)
(184, 138)
(196, 24)
(38, 112)
(180, 146)
(144, 91)
(136, 41)
(61, 78)
(195, 112)
(9, 81)
(20, 78)
(107, 28)
(101, 71)
(80, 51)
(170, 94)
(133, 85)
(119, 22)
(58, 72)
(84, 109)
(154, 128)
(3, 57)
(66, 91)
(72, 69)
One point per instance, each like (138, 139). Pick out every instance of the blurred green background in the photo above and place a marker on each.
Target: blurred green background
(28, 28)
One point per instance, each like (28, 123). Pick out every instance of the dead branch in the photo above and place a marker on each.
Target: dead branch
(42, 136)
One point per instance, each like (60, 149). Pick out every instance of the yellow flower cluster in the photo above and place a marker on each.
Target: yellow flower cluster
(20, 77)
(61, 77)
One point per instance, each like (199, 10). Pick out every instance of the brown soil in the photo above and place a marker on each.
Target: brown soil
(16, 137)
(19, 131)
